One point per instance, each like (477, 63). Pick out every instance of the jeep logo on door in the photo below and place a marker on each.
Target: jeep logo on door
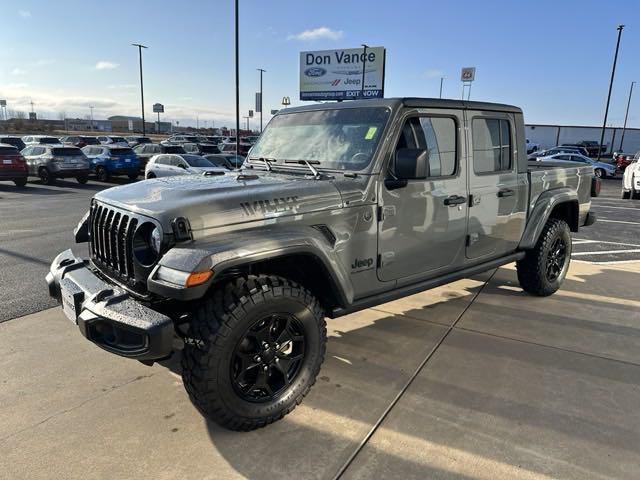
(361, 264)
(315, 72)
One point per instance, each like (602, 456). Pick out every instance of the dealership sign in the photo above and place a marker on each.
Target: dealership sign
(338, 74)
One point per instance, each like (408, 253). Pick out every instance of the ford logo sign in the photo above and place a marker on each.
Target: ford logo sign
(315, 72)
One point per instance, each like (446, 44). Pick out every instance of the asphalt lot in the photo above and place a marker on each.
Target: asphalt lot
(38, 222)
(471, 380)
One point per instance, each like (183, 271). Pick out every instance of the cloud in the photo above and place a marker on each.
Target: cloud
(433, 73)
(320, 33)
(24, 13)
(104, 65)
(18, 71)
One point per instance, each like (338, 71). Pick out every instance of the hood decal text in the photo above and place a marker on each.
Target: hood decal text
(275, 205)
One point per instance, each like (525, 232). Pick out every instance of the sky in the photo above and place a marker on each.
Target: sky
(552, 58)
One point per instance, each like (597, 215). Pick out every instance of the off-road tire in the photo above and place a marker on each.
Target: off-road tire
(102, 174)
(82, 180)
(45, 176)
(532, 269)
(20, 182)
(215, 329)
(635, 194)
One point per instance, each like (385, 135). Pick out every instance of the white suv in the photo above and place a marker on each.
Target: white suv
(631, 179)
(166, 165)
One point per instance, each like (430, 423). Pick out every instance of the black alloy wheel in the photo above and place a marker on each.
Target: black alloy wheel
(268, 357)
(556, 259)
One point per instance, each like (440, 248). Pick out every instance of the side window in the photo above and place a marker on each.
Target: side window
(27, 151)
(162, 160)
(38, 150)
(440, 140)
(491, 145)
(563, 157)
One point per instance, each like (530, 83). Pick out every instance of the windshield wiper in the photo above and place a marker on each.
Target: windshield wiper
(266, 161)
(308, 163)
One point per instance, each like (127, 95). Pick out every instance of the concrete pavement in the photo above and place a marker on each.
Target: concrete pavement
(520, 387)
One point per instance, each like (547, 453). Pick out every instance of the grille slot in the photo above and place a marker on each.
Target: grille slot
(111, 244)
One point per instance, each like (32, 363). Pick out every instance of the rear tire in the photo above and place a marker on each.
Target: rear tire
(253, 350)
(102, 174)
(543, 269)
(82, 179)
(635, 194)
(20, 182)
(45, 176)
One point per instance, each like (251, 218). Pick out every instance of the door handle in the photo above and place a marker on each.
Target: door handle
(454, 200)
(506, 192)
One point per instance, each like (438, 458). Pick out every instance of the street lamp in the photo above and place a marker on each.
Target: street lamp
(441, 81)
(364, 64)
(237, 80)
(261, 72)
(626, 115)
(91, 109)
(613, 73)
(140, 47)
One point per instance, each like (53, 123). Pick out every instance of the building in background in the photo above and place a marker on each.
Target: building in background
(122, 123)
(547, 136)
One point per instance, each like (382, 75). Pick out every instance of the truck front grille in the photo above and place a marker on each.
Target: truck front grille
(111, 243)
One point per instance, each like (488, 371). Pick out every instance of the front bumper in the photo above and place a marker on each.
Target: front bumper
(106, 314)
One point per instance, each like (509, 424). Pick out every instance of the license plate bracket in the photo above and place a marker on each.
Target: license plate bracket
(72, 297)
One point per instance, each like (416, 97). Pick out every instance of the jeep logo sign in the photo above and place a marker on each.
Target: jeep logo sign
(337, 74)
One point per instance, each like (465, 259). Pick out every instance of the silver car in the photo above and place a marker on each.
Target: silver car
(114, 141)
(49, 162)
(600, 169)
(41, 140)
(167, 165)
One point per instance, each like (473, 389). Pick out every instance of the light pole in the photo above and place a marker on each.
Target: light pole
(441, 80)
(364, 65)
(140, 47)
(626, 115)
(237, 81)
(613, 73)
(91, 109)
(261, 72)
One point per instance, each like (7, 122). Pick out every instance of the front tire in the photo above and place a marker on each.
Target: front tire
(543, 269)
(102, 174)
(20, 182)
(253, 350)
(626, 194)
(45, 176)
(151, 175)
(600, 173)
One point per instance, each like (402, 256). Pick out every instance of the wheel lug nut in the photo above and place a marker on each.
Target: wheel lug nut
(258, 359)
(265, 368)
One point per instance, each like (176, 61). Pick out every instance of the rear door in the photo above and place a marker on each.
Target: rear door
(422, 225)
(497, 201)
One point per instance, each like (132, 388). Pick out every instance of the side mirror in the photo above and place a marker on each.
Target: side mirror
(411, 163)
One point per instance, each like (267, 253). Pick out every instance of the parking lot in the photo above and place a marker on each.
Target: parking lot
(470, 380)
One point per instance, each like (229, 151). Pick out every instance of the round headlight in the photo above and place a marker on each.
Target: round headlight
(156, 240)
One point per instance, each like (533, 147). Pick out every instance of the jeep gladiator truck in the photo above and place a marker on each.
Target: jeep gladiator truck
(339, 207)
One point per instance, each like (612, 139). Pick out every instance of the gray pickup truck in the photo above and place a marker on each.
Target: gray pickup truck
(339, 207)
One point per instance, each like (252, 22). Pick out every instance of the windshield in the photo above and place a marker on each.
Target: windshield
(173, 149)
(121, 151)
(118, 140)
(67, 151)
(341, 139)
(49, 140)
(197, 161)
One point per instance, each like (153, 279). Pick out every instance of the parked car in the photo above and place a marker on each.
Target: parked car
(215, 139)
(200, 148)
(244, 267)
(592, 147)
(79, 141)
(559, 149)
(581, 149)
(225, 160)
(135, 140)
(600, 169)
(40, 140)
(13, 166)
(631, 179)
(231, 148)
(167, 165)
(109, 160)
(532, 147)
(49, 162)
(11, 140)
(622, 161)
(251, 139)
(146, 151)
(180, 139)
(111, 140)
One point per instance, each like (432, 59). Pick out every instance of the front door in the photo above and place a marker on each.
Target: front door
(422, 224)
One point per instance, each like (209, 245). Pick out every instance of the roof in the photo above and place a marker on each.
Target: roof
(411, 102)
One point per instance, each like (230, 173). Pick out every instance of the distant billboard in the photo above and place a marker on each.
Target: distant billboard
(158, 108)
(337, 74)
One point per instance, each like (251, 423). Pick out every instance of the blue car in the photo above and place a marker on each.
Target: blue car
(107, 161)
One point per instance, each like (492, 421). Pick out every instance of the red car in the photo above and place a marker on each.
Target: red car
(622, 161)
(12, 165)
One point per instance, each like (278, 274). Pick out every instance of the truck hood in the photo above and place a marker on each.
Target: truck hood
(210, 202)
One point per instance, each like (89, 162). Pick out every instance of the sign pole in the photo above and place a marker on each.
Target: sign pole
(364, 66)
